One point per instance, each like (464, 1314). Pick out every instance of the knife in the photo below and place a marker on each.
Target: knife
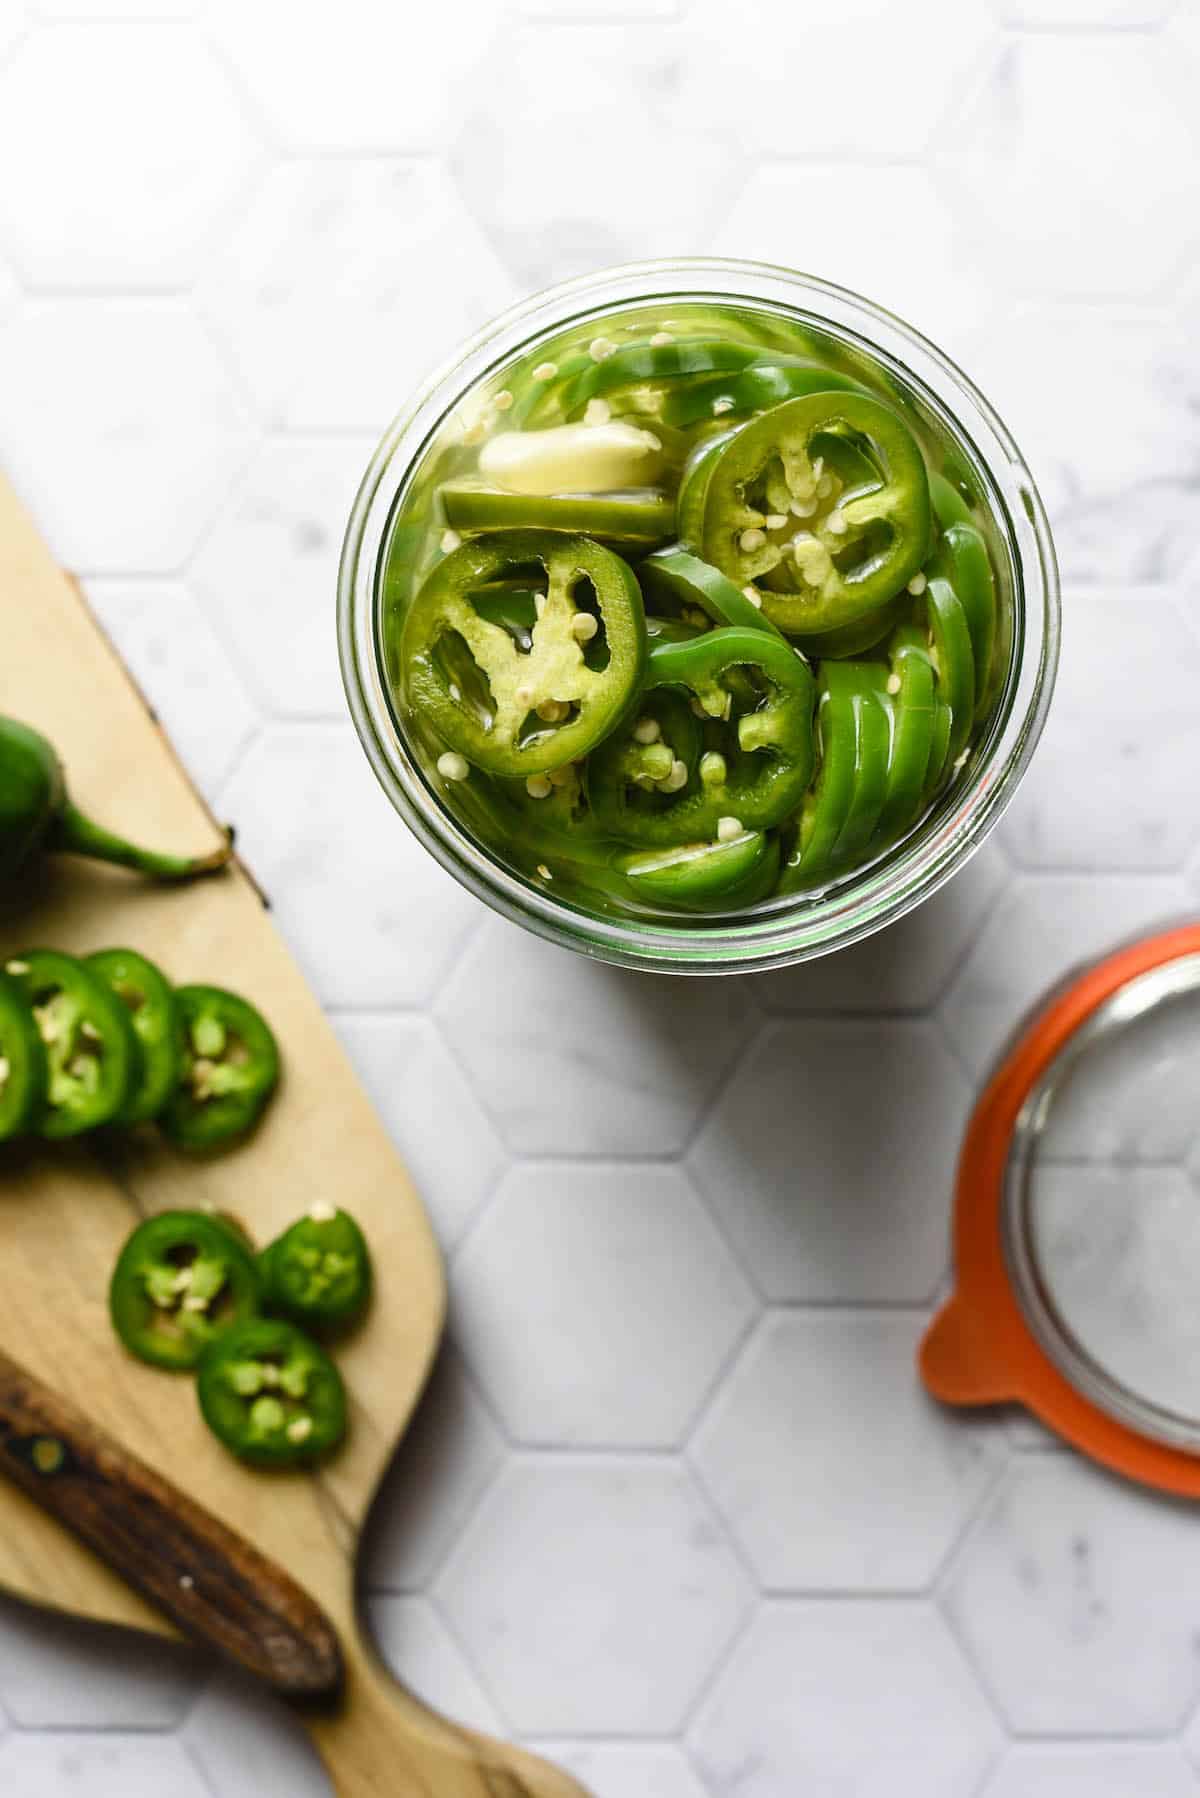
(212, 1584)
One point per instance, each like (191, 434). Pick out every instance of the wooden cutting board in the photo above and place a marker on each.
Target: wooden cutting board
(64, 1212)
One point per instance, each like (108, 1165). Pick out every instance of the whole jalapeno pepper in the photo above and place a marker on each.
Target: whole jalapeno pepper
(229, 1070)
(182, 1279)
(523, 714)
(270, 1395)
(23, 1068)
(822, 502)
(768, 759)
(92, 1055)
(37, 816)
(157, 1020)
(318, 1273)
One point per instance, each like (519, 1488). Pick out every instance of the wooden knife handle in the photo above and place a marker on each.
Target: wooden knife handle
(208, 1580)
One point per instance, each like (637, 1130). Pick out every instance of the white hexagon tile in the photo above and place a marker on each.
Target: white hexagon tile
(1067, 1597)
(1109, 1770)
(919, 59)
(174, 653)
(674, 1509)
(595, 1594)
(832, 1468)
(1114, 765)
(316, 828)
(817, 1206)
(622, 1274)
(573, 1057)
(122, 427)
(1122, 165)
(266, 569)
(911, 260)
(851, 1695)
(81, 220)
(363, 76)
(88, 1765)
(310, 288)
(581, 113)
(1105, 402)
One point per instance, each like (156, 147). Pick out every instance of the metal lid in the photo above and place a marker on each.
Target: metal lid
(1077, 1222)
(1102, 1211)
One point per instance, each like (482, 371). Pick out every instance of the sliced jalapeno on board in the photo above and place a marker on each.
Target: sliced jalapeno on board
(676, 578)
(23, 1068)
(765, 767)
(520, 715)
(182, 1279)
(157, 1021)
(637, 518)
(92, 1055)
(230, 1069)
(318, 1273)
(271, 1395)
(823, 503)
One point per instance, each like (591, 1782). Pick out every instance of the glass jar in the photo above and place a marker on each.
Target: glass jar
(863, 900)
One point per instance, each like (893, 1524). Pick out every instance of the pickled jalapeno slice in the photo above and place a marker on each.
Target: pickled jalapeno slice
(823, 502)
(514, 712)
(683, 613)
(762, 692)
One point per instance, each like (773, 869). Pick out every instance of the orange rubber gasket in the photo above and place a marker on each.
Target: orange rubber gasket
(979, 1350)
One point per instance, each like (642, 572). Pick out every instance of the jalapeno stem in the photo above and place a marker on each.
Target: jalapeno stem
(78, 835)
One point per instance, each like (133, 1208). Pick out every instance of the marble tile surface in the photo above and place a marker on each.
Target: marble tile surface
(833, 1469)
(1067, 1597)
(856, 1695)
(674, 1508)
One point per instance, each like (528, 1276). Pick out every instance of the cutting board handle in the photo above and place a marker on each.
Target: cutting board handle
(384, 1743)
(209, 1581)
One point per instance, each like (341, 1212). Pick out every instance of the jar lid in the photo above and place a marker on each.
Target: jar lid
(1077, 1220)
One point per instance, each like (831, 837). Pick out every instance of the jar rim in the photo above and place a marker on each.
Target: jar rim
(864, 900)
